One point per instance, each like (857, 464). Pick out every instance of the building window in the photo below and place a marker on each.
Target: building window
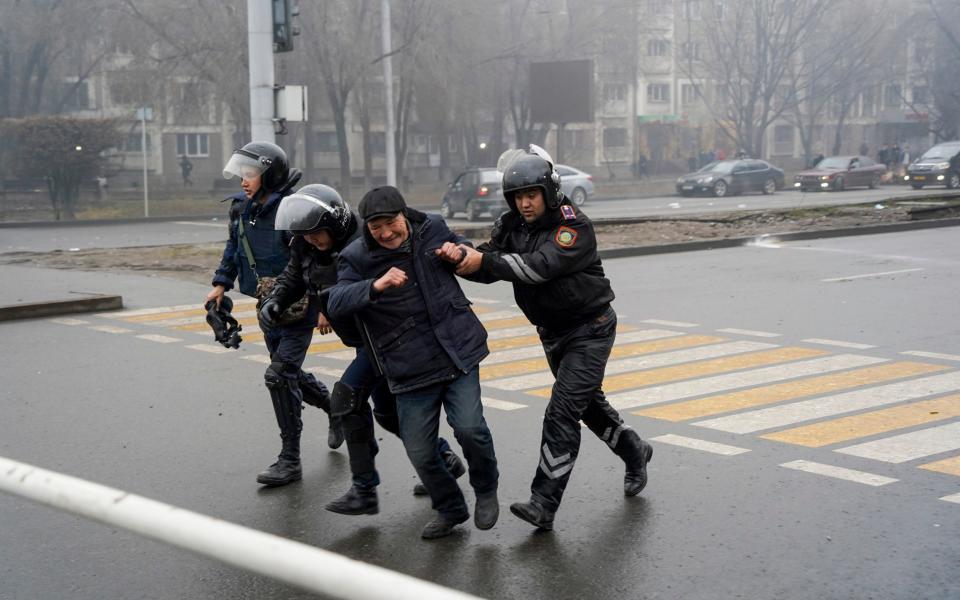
(193, 144)
(76, 95)
(614, 92)
(891, 96)
(691, 50)
(921, 94)
(133, 142)
(688, 94)
(326, 141)
(614, 137)
(658, 92)
(378, 143)
(719, 9)
(658, 48)
(691, 9)
(577, 139)
(868, 97)
(783, 140)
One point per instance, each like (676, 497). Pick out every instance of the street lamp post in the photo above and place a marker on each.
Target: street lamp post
(145, 113)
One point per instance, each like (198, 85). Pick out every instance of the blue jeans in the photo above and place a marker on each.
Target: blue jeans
(419, 413)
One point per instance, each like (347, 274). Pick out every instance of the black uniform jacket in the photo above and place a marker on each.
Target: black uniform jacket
(558, 281)
(313, 272)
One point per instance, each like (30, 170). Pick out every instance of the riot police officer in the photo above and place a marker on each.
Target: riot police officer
(547, 248)
(323, 225)
(255, 250)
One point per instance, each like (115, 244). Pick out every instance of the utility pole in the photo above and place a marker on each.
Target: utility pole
(260, 50)
(385, 37)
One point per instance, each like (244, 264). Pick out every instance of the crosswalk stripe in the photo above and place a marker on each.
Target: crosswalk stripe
(950, 466)
(839, 472)
(909, 446)
(334, 345)
(328, 371)
(68, 321)
(503, 322)
(499, 334)
(955, 498)
(501, 315)
(839, 343)
(501, 404)
(247, 319)
(210, 348)
(695, 444)
(539, 372)
(772, 394)
(160, 339)
(195, 312)
(668, 323)
(110, 329)
(808, 410)
(692, 370)
(750, 332)
(121, 314)
(257, 358)
(868, 424)
(939, 355)
(529, 340)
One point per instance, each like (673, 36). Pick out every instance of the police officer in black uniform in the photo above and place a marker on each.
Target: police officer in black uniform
(257, 249)
(547, 248)
(323, 225)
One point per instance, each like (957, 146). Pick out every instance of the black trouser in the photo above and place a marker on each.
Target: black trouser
(578, 359)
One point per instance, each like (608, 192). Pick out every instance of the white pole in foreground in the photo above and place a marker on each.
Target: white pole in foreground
(260, 52)
(386, 45)
(297, 564)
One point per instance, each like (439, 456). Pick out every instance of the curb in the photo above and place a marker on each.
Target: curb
(56, 308)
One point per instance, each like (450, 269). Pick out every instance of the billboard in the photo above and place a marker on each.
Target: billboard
(561, 91)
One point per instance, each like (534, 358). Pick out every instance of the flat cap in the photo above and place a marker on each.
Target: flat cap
(381, 201)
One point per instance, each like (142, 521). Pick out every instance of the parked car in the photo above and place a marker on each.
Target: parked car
(934, 167)
(575, 184)
(837, 173)
(475, 191)
(728, 177)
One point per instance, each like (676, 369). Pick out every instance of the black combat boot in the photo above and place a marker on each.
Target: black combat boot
(487, 510)
(287, 468)
(453, 464)
(535, 514)
(635, 453)
(356, 501)
(316, 394)
(335, 433)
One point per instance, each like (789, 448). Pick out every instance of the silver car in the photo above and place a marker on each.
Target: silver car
(575, 184)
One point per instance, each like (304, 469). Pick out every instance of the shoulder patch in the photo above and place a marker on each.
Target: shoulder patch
(568, 213)
(565, 237)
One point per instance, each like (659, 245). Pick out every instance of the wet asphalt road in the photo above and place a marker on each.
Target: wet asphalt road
(192, 429)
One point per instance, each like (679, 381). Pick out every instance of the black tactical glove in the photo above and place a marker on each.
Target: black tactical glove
(270, 312)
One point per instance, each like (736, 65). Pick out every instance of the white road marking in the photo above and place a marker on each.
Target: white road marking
(955, 498)
(869, 275)
(499, 314)
(199, 319)
(501, 404)
(110, 329)
(825, 342)
(535, 350)
(741, 379)
(838, 404)
(196, 224)
(499, 334)
(909, 446)
(648, 361)
(695, 444)
(484, 301)
(160, 339)
(237, 303)
(763, 334)
(669, 323)
(66, 321)
(211, 348)
(340, 354)
(260, 358)
(839, 473)
(931, 355)
(335, 373)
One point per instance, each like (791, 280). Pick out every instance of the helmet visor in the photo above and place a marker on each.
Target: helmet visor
(244, 166)
(299, 212)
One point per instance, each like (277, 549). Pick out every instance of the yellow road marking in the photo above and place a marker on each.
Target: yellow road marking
(530, 340)
(504, 323)
(699, 368)
(950, 466)
(532, 365)
(770, 394)
(201, 326)
(334, 345)
(871, 423)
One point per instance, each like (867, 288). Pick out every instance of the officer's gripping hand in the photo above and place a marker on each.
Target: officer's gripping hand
(471, 261)
(270, 312)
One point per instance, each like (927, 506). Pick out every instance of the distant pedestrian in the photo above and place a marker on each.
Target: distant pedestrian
(864, 149)
(641, 169)
(883, 156)
(186, 167)
(720, 154)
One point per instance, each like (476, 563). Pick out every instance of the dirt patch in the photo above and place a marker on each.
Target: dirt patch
(197, 262)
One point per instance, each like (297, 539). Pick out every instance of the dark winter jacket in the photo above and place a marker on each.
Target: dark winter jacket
(313, 272)
(558, 280)
(269, 246)
(423, 332)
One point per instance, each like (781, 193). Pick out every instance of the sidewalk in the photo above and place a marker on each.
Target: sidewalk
(33, 293)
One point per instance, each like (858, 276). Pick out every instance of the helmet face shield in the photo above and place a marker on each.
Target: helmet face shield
(301, 213)
(245, 166)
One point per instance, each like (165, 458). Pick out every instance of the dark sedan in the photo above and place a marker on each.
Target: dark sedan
(837, 173)
(729, 177)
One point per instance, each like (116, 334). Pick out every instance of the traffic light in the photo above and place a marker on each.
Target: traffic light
(283, 29)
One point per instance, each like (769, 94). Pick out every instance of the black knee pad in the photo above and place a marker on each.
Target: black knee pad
(344, 399)
(274, 378)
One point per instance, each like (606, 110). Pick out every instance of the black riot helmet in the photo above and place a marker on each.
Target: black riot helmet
(314, 207)
(530, 168)
(267, 160)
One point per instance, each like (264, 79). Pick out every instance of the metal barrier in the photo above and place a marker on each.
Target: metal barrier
(291, 562)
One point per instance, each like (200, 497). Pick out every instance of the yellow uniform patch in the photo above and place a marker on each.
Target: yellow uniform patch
(565, 237)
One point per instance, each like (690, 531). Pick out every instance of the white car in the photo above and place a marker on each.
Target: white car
(575, 184)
